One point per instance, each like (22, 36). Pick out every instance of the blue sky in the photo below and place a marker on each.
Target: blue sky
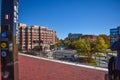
(71, 16)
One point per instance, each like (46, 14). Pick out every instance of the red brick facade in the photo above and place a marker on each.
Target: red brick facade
(31, 36)
(93, 37)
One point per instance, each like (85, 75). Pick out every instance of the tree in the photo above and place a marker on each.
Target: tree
(52, 47)
(100, 45)
(64, 43)
(106, 39)
(57, 44)
(89, 47)
(38, 42)
(92, 44)
(83, 46)
(78, 44)
(36, 48)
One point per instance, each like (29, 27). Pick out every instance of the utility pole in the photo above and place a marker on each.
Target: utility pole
(9, 39)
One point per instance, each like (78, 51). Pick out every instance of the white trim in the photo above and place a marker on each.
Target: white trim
(68, 63)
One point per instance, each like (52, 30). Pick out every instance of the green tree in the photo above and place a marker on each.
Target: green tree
(106, 39)
(83, 46)
(100, 45)
(52, 47)
(89, 47)
(36, 48)
(92, 44)
(67, 42)
(78, 44)
(57, 44)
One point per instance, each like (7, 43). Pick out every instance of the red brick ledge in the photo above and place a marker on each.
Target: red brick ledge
(68, 63)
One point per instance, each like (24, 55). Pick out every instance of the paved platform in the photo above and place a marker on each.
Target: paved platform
(39, 69)
(32, 68)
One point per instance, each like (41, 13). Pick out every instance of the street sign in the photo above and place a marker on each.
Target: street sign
(8, 45)
(3, 54)
(3, 34)
(3, 45)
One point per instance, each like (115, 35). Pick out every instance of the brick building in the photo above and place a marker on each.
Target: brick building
(93, 37)
(74, 37)
(32, 36)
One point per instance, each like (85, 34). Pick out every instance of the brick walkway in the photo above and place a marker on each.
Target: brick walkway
(37, 69)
